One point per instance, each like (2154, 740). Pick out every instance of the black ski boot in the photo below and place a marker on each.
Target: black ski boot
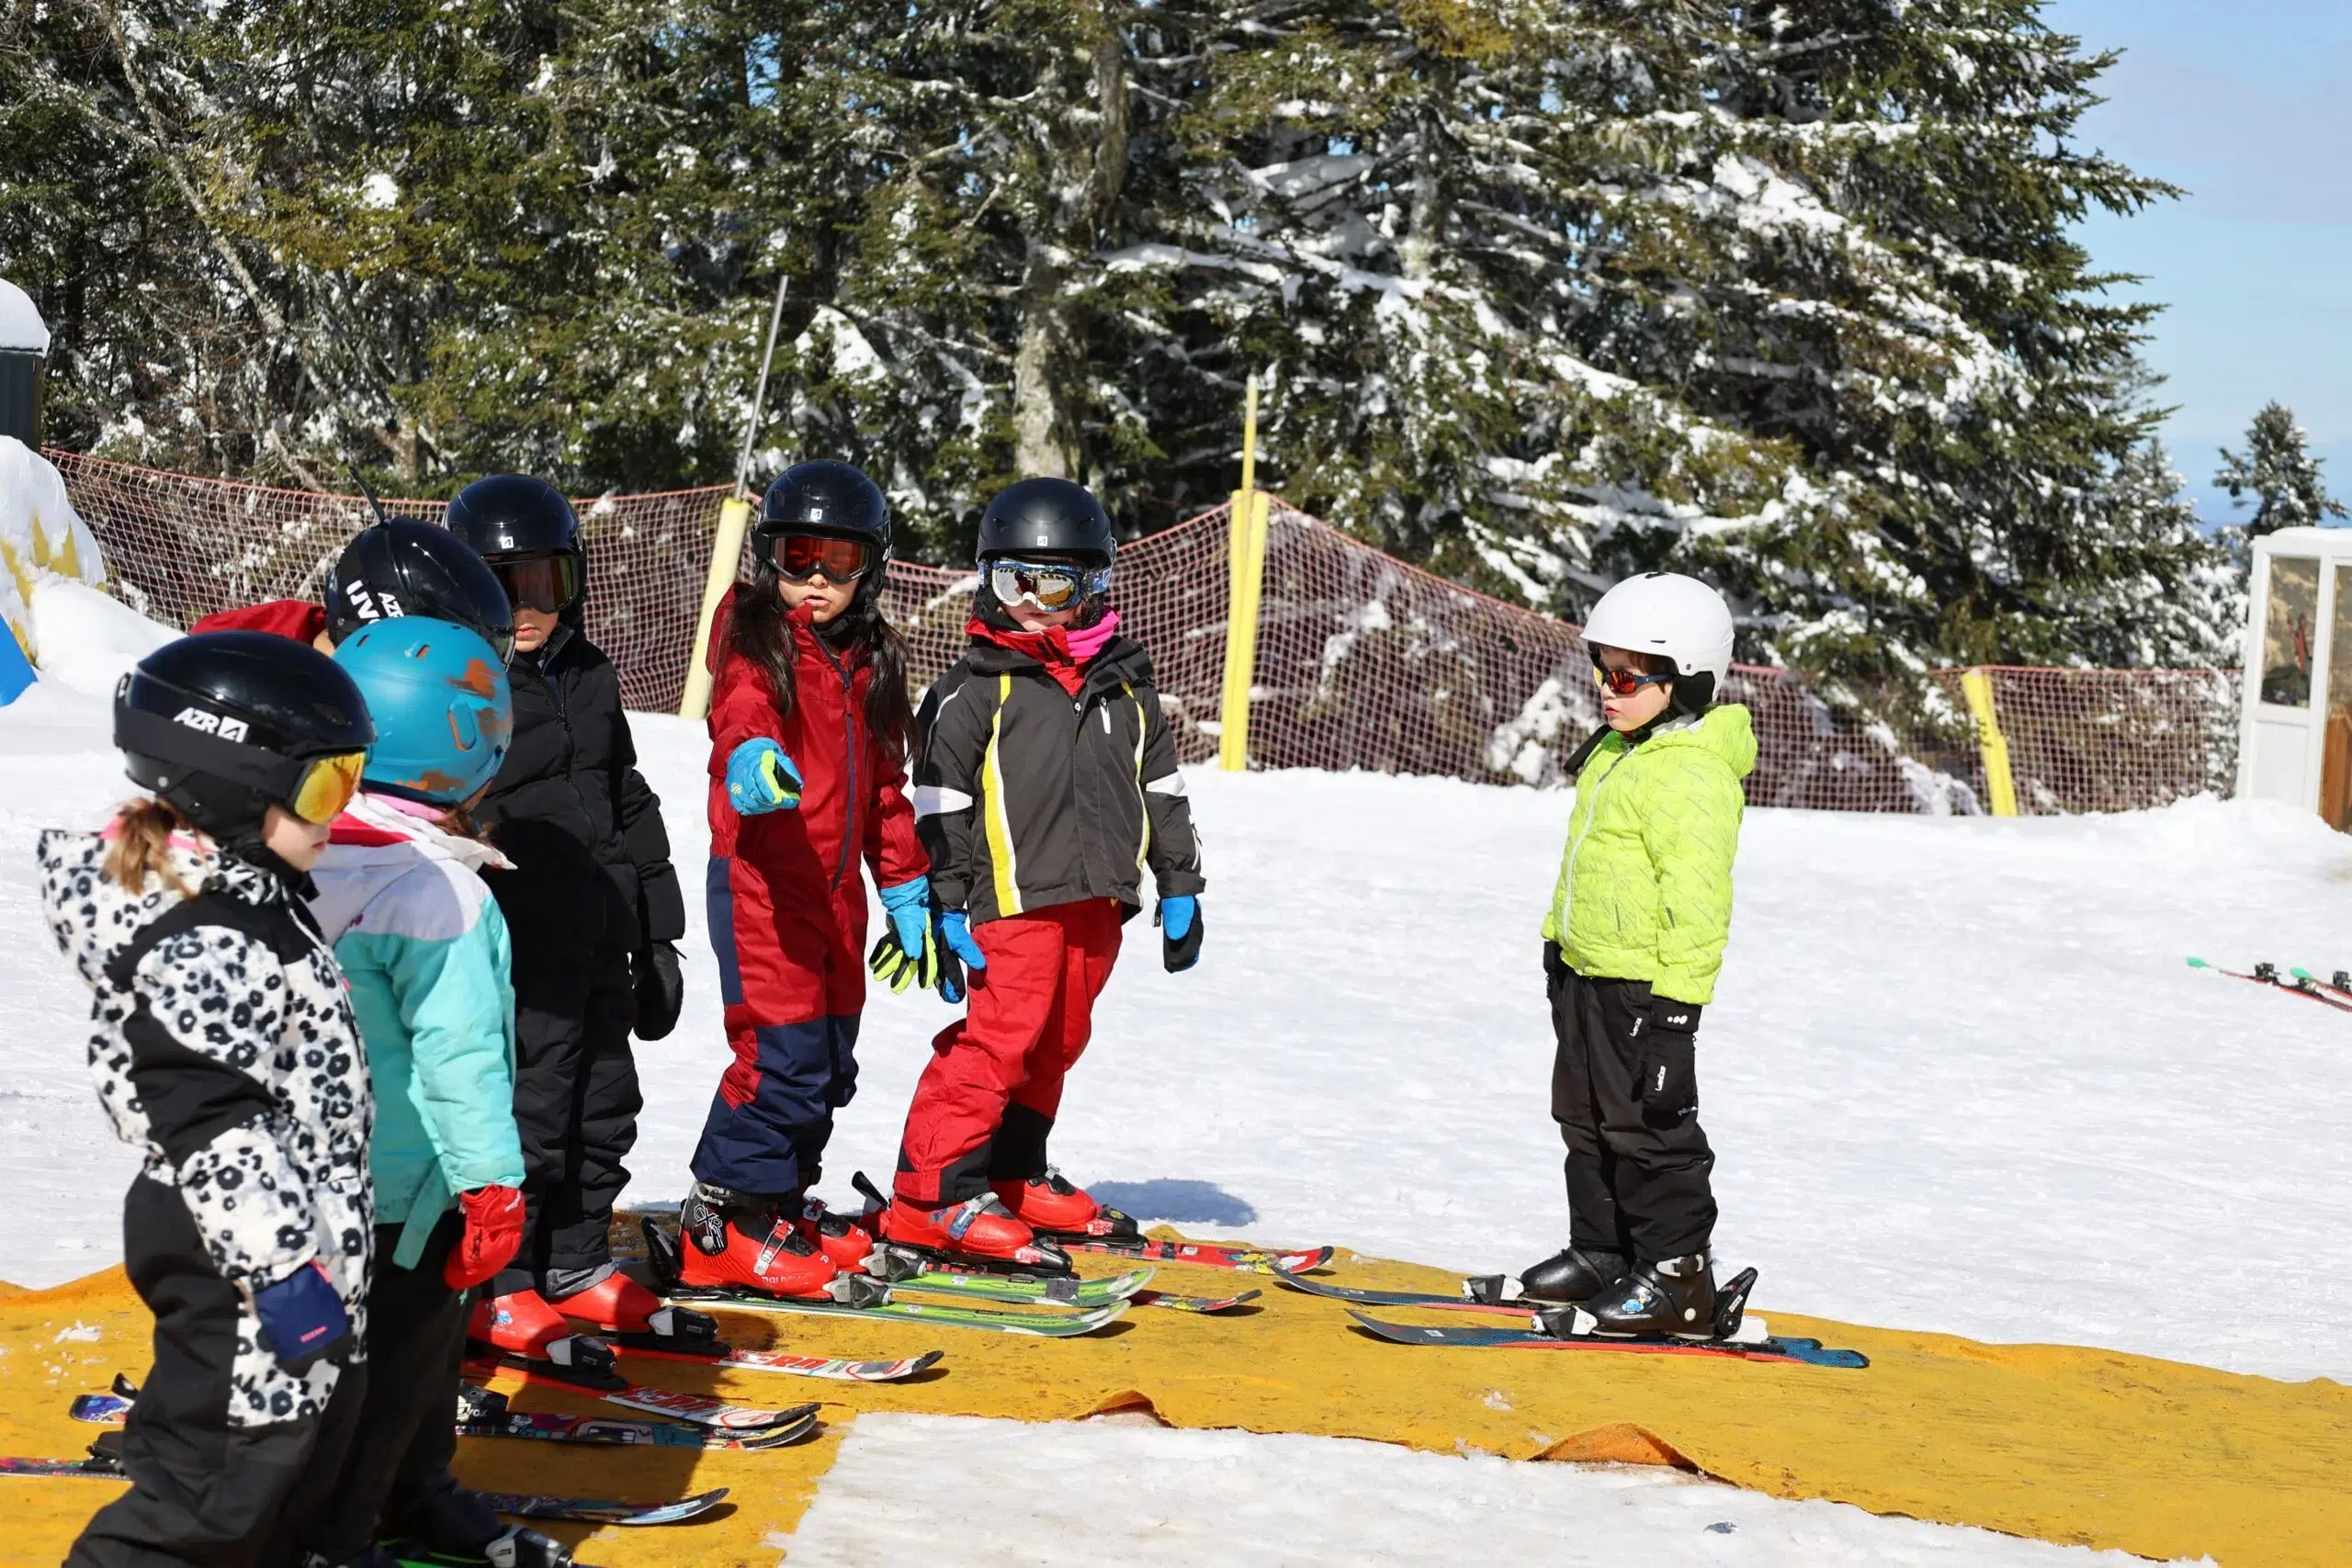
(1674, 1295)
(454, 1527)
(1573, 1277)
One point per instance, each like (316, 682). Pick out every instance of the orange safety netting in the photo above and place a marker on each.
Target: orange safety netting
(1363, 661)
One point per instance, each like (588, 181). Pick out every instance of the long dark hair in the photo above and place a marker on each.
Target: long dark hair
(758, 632)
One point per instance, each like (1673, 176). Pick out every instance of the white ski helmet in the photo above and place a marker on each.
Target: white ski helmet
(1680, 618)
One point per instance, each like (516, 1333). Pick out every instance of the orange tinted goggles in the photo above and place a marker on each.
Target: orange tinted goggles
(326, 786)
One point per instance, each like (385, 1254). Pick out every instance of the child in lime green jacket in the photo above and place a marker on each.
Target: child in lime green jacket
(1632, 946)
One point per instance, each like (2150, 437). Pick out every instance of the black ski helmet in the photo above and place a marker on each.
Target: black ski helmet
(509, 516)
(831, 499)
(223, 725)
(1054, 516)
(404, 567)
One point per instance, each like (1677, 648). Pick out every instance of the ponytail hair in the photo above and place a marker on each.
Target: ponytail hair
(759, 633)
(144, 830)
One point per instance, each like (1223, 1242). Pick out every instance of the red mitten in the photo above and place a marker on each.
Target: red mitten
(493, 1232)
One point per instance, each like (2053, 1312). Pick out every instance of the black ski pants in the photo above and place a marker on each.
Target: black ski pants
(1637, 1184)
(400, 1460)
(576, 1095)
(202, 1491)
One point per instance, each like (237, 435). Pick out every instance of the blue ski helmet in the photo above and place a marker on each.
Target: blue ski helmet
(438, 694)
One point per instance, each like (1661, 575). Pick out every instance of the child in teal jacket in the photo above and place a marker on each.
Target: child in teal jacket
(1632, 946)
(428, 961)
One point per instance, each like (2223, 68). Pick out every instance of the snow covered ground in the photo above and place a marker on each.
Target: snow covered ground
(1957, 1077)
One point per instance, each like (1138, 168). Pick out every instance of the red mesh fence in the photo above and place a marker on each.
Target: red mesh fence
(1363, 661)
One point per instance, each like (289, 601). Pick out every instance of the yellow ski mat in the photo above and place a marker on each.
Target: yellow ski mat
(2080, 1446)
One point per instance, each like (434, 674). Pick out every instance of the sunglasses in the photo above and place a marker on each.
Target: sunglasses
(1623, 682)
(800, 556)
(326, 786)
(545, 583)
(1049, 585)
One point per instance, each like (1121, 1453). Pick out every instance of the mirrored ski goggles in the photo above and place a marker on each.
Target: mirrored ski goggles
(800, 556)
(545, 583)
(1049, 585)
(326, 786)
(1624, 682)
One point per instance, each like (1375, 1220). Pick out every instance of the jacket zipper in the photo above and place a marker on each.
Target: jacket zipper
(571, 740)
(1576, 845)
(849, 756)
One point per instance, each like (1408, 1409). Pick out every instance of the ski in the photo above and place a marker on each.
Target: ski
(1209, 1255)
(1195, 1303)
(100, 1407)
(2268, 975)
(484, 1412)
(1044, 1325)
(784, 1363)
(1761, 1347)
(591, 1511)
(699, 1409)
(2340, 982)
(92, 1468)
(906, 1270)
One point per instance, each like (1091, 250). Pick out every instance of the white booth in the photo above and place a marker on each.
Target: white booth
(2295, 724)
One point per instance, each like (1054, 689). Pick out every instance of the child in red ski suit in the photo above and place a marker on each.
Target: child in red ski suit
(809, 727)
(1047, 787)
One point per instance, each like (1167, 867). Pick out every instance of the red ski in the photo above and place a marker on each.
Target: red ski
(2268, 975)
(1210, 1255)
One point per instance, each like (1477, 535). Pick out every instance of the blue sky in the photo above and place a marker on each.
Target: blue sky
(2248, 104)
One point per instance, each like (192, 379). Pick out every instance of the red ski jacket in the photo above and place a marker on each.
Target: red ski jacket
(300, 619)
(853, 796)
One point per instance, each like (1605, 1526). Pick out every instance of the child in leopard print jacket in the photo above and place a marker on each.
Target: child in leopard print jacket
(223, 1049)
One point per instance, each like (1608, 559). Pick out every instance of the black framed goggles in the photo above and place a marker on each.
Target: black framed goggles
(1049, 585)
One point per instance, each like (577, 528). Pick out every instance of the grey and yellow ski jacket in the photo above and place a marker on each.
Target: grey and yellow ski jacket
(1028, 796)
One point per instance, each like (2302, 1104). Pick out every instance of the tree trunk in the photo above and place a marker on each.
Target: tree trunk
(1043, 402)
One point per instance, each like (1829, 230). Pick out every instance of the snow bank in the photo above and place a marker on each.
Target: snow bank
(41, 537)
(20, 324)
(87, 639)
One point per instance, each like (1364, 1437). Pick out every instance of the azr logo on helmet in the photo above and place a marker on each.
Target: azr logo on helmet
(212, 723)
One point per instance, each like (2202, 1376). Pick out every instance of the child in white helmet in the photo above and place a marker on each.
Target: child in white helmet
(1632, 946)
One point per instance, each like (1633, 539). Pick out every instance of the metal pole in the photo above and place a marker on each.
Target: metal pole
(734, 518)
(1244, 568)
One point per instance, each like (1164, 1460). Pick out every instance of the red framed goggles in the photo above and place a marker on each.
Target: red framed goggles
(800, 556)
(1624, 682)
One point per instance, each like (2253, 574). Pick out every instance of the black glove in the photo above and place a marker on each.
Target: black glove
(660, 988)
(1556, 967)
(1669, 1066)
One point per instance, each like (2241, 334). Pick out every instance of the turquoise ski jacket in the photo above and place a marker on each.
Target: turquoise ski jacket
(429, 963)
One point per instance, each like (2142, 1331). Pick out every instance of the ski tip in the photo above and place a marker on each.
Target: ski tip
(2198, 964)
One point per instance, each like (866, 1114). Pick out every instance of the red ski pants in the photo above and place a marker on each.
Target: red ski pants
(1032, 1012)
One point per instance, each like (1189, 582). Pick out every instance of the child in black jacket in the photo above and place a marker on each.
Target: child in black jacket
(595, 910)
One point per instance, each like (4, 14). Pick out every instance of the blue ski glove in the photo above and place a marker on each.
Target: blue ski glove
(906, 956)
(303, 1320)
(1180, 932)
(761, 779)
(958, 952)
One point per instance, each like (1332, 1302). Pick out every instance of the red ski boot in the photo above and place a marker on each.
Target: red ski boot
(976, 1231)
(619, 1306)
(520, 1326)
(774, 1260)
(845, 1240)
(1053, 1205)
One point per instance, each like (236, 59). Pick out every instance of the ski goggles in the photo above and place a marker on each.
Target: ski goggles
(1624, 682)
(325, 786)
(800, 556)
(546, 583)
(1049, 585)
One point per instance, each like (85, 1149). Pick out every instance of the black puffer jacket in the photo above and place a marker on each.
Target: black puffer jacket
(573, 766)
(1027, 797)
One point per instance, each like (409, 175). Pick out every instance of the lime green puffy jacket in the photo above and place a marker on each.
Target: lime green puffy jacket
(1645, 887)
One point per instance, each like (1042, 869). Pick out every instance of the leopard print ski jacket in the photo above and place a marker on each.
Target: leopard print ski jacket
(223, 1048)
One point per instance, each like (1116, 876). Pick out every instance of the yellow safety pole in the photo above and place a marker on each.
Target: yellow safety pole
(726, 546)
(1977, 685)
(1246, 568)
(726, 556)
